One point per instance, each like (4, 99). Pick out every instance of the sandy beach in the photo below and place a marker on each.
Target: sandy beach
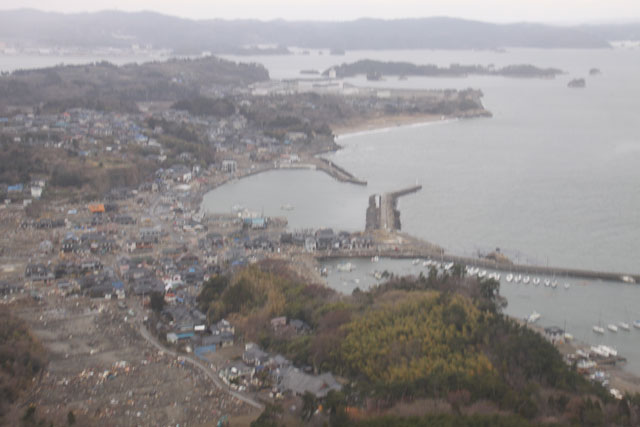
(383, 122)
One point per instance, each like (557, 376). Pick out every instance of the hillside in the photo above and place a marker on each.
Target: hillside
(379, 68)
(440, 339)
(106, 87)
(121, 29)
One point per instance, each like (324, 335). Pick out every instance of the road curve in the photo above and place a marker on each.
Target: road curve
(204, 368)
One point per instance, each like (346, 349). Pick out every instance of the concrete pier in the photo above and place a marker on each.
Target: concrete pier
(382, 213)
(336, 171)
(413, 253)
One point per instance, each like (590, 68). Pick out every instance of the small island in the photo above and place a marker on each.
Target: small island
(577, 83)
(370, 67)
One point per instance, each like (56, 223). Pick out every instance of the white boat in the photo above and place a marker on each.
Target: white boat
(568, 336)
(426, 263)
(377, 275)
(603, 351)
(554, 284)
(567, 285)
(375, 258)
(624, 326)
(612, 327)
(598, 330)
(482, 274)
(509, 277)
(346, 267)
(415, 261)
(636, 324)
(628, 279)
(536, 281)
(533, 317)
(526, 280)
(287, 207)
(547, 282)
(518, 278)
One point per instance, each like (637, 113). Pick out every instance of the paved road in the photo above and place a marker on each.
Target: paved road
(204, 368)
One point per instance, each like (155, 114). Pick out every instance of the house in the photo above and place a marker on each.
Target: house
(229, 166)
(152, 233)
(124, 220)
(70, 243)
(8, 288)
(36, 192)
(97, 208)
(174, 338)
(310, 244)
(554, 334)
(255, 223)
(222, 327)
(236, 373)
(297, 382)
(253, 355)
(35, 272)
(324, 238)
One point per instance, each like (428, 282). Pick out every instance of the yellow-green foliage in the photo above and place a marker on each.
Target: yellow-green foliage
(425, 335)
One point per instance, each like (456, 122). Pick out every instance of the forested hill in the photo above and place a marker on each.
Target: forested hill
(379, 68)
(103, 86)
(120, 29)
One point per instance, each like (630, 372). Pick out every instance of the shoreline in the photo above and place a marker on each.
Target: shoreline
(385, 123)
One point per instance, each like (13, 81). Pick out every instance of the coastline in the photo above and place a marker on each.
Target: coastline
(383, 123)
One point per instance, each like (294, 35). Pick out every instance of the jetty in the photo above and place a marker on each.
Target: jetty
(336, 171)
(383, 213)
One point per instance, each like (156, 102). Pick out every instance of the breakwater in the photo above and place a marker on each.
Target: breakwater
(382, 213)
(336, 171)
(400, 251)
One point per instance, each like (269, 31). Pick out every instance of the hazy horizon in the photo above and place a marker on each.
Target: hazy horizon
(573, 12)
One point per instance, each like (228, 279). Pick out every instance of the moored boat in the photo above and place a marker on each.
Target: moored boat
(598, 330)
(612, 327)
(624, 326)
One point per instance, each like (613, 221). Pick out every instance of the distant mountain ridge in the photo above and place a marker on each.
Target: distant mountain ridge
(122, 29)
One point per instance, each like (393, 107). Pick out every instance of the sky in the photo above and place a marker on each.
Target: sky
(547, 11)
